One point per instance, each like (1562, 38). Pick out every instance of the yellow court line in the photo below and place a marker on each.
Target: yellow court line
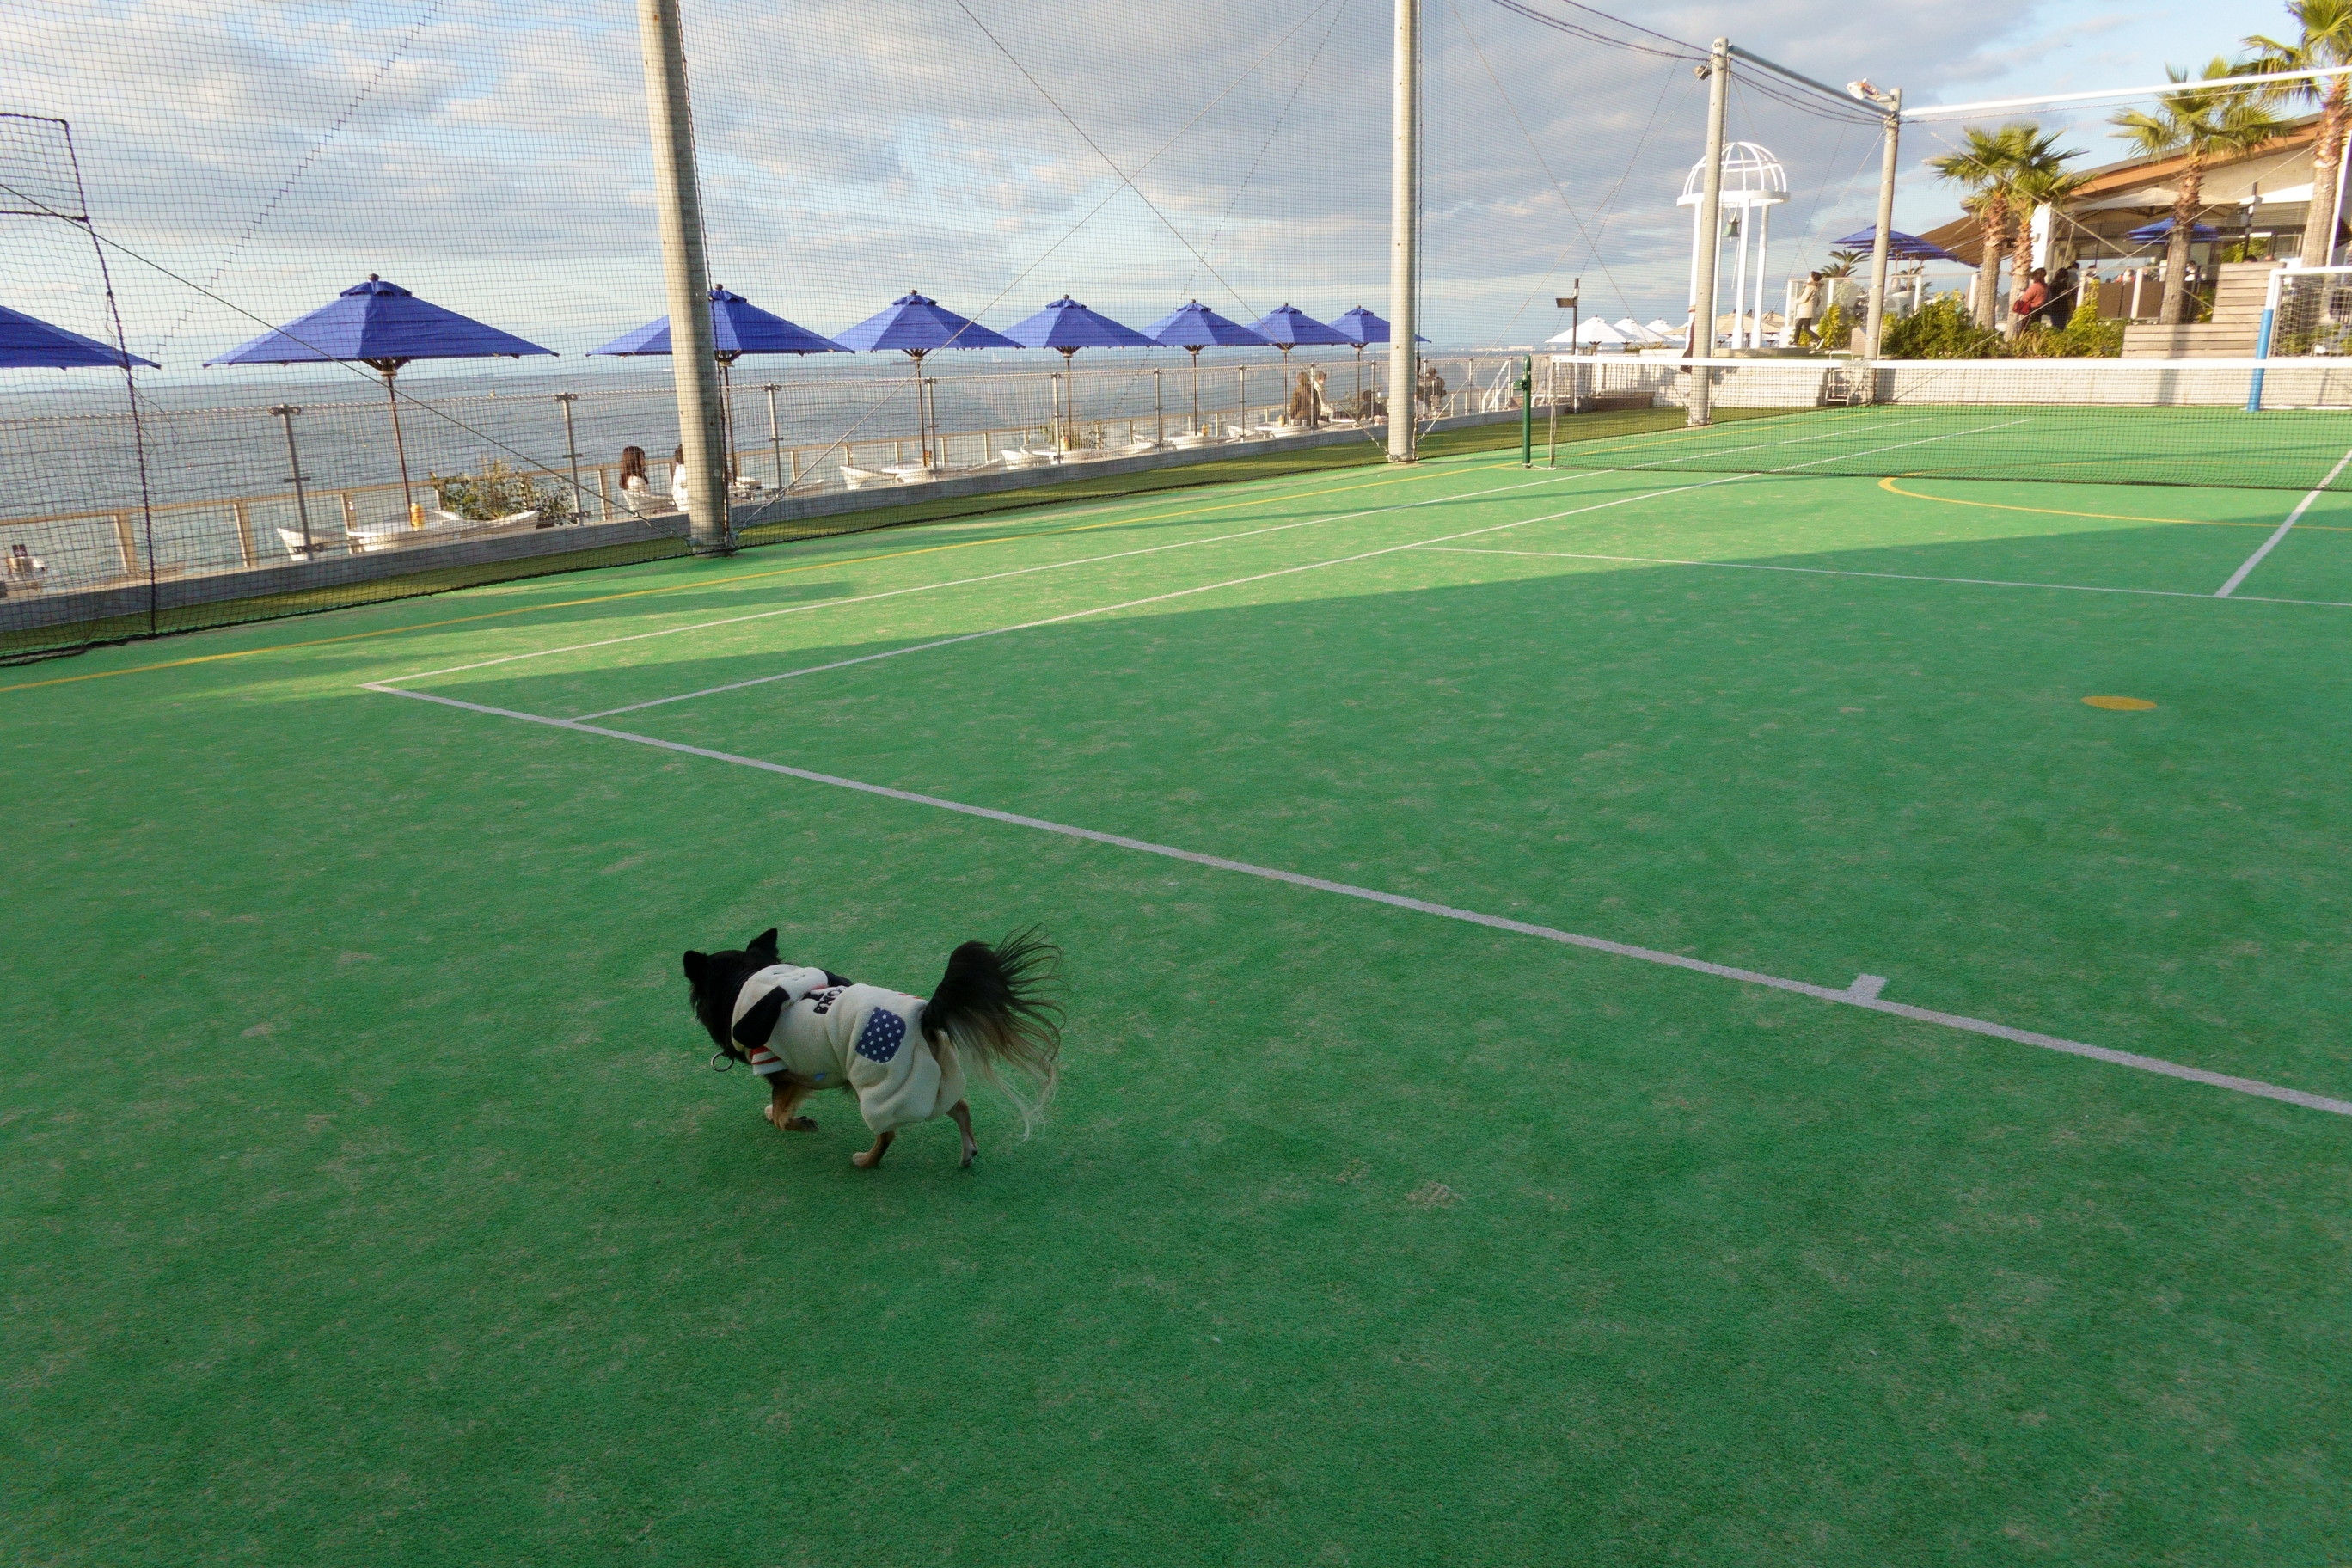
(1888, 484)
(745, 578)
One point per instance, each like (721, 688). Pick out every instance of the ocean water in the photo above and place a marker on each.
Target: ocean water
(70, 446)
(200, 479)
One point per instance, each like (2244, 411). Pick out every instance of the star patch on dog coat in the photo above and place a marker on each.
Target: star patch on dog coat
(883, 1034)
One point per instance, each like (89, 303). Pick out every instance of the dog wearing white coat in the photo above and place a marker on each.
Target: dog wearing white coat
(806, 1029)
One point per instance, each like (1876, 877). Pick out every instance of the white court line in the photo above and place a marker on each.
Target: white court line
(2230, 587)
(1556, 478)
(1238, 582)
(991, 576)
(1864, 992)
(1892, 576)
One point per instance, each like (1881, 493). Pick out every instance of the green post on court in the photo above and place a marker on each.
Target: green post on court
(1528, 415)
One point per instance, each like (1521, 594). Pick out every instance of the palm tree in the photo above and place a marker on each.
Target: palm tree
(1841, 263)
(2197, 125)
(2325, 41)
(1979, 167)
(2010, 172)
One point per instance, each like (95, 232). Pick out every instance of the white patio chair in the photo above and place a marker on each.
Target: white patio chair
(22, 572)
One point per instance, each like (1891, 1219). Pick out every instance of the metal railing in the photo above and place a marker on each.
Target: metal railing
(232, 525)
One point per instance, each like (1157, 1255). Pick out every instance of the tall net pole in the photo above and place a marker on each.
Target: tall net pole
(1710, 232)
(1879, 252)
(687, 274)
(1404, 238)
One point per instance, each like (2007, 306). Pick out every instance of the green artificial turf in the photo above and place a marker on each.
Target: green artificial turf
(2041, 442)
(366, 1197)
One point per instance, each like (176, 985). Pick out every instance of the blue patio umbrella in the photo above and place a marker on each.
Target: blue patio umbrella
(2148, 234)
(382, 326)
(1289, 326)
(1067, 326)
(1900, 247)
(916, 326)
(1361, 328)
(1194, 327)
(27, 342)
(738, 328)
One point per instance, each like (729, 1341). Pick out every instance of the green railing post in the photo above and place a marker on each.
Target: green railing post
(1528, 415)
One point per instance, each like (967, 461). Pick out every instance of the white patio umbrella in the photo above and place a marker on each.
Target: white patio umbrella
(1640, 336)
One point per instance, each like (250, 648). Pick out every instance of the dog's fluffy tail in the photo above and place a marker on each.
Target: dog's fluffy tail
(994, 1006)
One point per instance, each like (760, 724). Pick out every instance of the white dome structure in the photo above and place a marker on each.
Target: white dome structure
(1752, 177)
(1753, 183)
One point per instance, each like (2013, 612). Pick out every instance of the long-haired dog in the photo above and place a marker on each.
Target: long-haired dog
(904, 1058)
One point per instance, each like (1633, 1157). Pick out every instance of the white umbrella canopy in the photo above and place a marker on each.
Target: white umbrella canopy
(1669, 331)
(1592, 334)
(1632, 331)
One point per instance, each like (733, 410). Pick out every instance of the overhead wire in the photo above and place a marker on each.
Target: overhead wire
(1608, 206)
(310, 156)
(1267, 145)
(1541, 161)
(1108, 161)
(1816, 101)
(1126, 182)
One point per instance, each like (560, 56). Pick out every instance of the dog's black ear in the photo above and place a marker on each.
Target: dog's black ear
(752, 1029)
(763, 945)
(697, 965)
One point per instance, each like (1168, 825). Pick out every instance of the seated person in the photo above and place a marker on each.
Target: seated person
(636, 491)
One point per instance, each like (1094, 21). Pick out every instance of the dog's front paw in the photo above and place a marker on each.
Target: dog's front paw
(800, 1124)
(864, 1159)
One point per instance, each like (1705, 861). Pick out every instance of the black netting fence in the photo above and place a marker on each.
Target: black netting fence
(209, 193)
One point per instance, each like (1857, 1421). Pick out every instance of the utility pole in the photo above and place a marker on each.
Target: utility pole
(1718, 71)
(687, 274)
(1404, 238)
(1893, 103)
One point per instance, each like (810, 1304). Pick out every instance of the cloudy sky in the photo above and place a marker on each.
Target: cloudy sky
(492, 155)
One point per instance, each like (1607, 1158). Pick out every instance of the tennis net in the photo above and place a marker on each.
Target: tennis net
(2284, 423)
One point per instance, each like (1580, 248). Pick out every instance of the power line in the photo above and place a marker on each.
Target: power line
(1823, 102)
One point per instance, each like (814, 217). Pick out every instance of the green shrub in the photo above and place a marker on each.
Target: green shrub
(1943, 328)
(1836, 328)
(1940, 328)
(499, 491)
(2085, 336)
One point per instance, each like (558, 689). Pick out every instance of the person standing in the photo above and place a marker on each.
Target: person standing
(678, 492)
(2029, 304)
(1805, 315)
(2065, 294)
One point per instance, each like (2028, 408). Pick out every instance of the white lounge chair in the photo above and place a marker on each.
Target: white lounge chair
(22, 572)
(914, 474)
(291, 538)
(858, 478)
(450, 522)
